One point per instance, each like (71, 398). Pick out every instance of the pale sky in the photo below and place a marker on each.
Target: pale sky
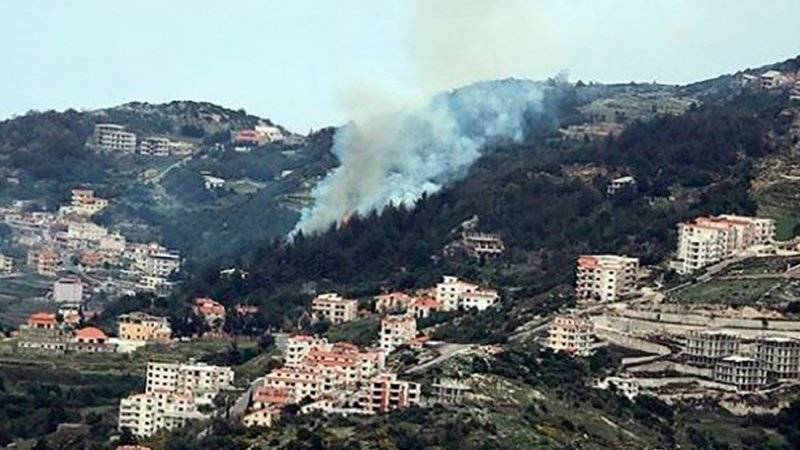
(291, 61)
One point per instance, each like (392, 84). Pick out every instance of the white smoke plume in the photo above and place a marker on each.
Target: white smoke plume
(394, 152)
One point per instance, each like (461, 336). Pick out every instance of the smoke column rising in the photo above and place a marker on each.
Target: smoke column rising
(398, 149)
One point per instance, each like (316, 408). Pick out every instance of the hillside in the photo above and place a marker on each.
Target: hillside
(163, 197)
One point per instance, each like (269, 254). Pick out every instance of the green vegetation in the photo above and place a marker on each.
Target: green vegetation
(360, 332)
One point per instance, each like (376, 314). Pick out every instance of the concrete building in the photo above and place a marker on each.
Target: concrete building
(454, 294)
(746, 374)
(43, 332)
(571, 334)
(92, 340)
(211, 310)
(448, 392)
(384, 393)
(773, 79)
(780, 357)
(162, 264)
(333, 308)
(45, 261)
(423, 306)
(84, 203)
(393, 302)
(6, 264)
(298, 346)
(706, 347)
(113, 137)
(707, 240)
(482, 245)
(605, 277)
(141, 327)
(174, 394)
(397, 330)
(617, 184)
(68, 290)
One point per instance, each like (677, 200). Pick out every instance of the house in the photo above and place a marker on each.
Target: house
(211, 183)
(605, 277)
(333, 308)
(571, 334)
(43, 332)
(211, 310)
(263, 417)
(423, 306)
(772, 79)
(392, 302)
(617, 184)
(482, 245)
(91, 340)
(396, 331)
(45, 261)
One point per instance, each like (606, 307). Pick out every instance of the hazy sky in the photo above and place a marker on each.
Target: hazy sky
(300, 62)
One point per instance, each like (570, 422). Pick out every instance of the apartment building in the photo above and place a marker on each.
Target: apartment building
(333, 308)
(298, 346)
(173, 395)
(780, 357)
(745, 373)
(141, 327)
(162, 264)
(6, 264)
(453, 294)
(571, 334)
(396, 331)
(155, 146)
(384, 393)
(113, 137)
(68, 290)
(707, 240)
(84, 203)
(706, 347)
(45, 261)
(605, 277)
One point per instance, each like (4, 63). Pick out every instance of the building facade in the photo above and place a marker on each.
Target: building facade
(605, 277)
(113, 137)
(706, 347)
(746, 374)
(333, 308)
(571, 334)
(397, 330)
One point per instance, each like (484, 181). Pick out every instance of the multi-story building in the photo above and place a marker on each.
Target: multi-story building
(423, 306)
(141, 327)
(605, 277)
(706, 347)
(333, 308)
(84, 203)
(707, 240)
(113, 137)
(453, 294)
(6, 264)
(780, 357)
(397, 330)
(43, 332)
(91, 340)
(571, 334)
(746, 373)
(155, 146)
(482, 245)
(298, 346)
(173, 395)
(45, 261)
(68, 290)
(384, 393)
(162, 264)
(448, 391)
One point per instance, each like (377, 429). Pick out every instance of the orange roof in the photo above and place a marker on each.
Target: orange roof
(90, 333)
(42, 318)
(426, 302)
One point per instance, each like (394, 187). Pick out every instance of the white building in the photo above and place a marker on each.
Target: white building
(6, 264)
(706, 347)
(772, 79)
(605, 277)
(333, 308)
(298, 346)
(397, 330)
(618, 184)
(708, 240)
(571, 334)
(453, 294)
(112, 137)
(780, 357)
(172, 397)
(68, 290)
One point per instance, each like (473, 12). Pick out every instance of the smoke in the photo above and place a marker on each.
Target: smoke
(399, 147)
